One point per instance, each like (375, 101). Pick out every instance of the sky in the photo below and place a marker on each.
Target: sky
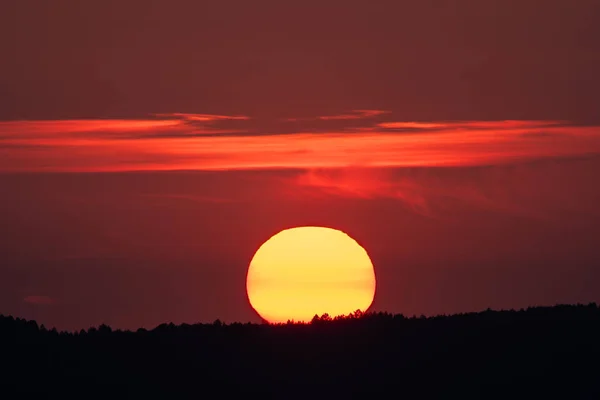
(148, 148)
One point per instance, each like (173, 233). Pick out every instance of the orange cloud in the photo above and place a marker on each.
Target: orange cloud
(60, 146)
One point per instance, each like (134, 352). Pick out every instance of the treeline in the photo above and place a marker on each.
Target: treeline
(549, 352)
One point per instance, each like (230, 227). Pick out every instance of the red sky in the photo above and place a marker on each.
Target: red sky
(147, 148)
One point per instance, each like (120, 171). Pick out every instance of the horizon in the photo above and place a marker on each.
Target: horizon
(324, 318)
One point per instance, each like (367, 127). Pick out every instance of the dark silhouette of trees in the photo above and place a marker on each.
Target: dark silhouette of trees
(539, 352)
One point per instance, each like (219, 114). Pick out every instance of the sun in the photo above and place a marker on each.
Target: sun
(307, 271)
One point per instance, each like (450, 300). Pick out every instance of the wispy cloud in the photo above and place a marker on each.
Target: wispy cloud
(356, 114)
(421, 194)
(39, 300)
(203, 117)
(411, 125)
(191, 198)
(507, 124)
(546, 189)
(171, 144)
(364, 183)
(161, 125)
(353, 115)
(19, 129)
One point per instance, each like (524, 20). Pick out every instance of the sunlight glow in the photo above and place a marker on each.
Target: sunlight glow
(307, 271)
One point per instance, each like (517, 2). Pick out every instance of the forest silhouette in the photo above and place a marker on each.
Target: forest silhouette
(539, 352)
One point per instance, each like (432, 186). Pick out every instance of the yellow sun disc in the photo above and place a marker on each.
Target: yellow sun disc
(307, 271)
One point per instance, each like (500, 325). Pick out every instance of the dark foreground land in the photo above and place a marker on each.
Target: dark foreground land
(550, 352)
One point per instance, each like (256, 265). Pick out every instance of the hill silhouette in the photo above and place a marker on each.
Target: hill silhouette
(539, 352)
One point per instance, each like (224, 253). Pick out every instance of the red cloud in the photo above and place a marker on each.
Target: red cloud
(508, 124)
(356, 114)
(60, 127)
(61, 146)
(365, 183)
(39, 300)
(203, 117)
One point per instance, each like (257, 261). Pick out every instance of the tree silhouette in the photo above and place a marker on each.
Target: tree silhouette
(539, 352)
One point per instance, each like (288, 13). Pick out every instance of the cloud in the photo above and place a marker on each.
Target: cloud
(412, 125)
(487, 125)
(353, 115)
(168, 125)
(191, 198)
(422, 194)
(364, 183)
(14, 129)
(39, 300)
(356, 114)
(543, 190)
(203, 117)
(165, 144)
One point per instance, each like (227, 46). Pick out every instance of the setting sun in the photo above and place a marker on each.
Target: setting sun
(307, 271)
